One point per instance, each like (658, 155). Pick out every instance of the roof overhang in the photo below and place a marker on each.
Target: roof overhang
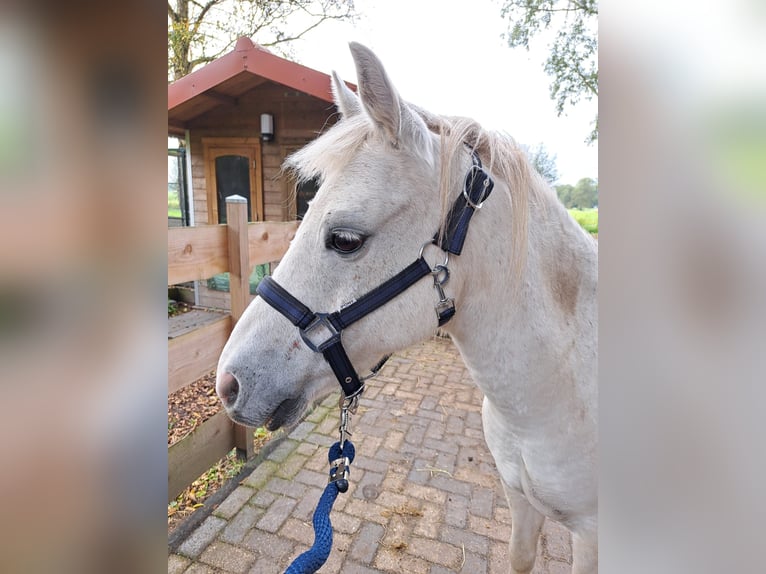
(224, 80)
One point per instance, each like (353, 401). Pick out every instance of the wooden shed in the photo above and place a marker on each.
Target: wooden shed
(238, 117)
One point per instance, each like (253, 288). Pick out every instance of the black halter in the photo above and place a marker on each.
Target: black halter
(322, 331)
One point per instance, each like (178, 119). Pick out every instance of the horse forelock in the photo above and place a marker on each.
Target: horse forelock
(331, 152)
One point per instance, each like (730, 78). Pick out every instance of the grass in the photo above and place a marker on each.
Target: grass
(587, 218)
(174, 205)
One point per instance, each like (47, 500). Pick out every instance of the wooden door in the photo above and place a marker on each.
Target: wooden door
(233, 167)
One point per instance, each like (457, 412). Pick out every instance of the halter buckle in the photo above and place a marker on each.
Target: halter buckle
(319, 327)
(477, 177)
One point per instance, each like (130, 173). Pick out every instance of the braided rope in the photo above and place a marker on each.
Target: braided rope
(313, 559)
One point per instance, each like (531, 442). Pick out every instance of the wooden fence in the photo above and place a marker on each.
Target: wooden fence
(198, 253)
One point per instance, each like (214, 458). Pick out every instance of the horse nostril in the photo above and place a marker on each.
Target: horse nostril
(227, 388)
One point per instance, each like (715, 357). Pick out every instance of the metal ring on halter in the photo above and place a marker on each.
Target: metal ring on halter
(446, 253)
(440, 274)
(468, 199)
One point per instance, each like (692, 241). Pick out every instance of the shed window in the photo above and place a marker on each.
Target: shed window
(232, 177)
(305, 192)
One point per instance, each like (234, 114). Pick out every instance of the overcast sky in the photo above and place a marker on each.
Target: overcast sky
(449, 58)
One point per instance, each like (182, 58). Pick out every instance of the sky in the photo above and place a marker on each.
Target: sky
(450, 58)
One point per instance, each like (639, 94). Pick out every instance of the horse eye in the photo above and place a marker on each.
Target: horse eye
(345, 241)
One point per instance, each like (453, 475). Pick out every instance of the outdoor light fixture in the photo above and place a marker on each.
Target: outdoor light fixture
(267, 127)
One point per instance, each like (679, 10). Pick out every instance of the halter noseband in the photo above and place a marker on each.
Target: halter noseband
(322, 331)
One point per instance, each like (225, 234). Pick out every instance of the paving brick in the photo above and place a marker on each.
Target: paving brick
(267, 544)
(306, 449)
(430, 521)
(317, 415)
(452, 485)
(495, 530)
(228, 558)
(557, 567)
(283, 487)
(456, 511)
(282, 451)
(302, 430)
(304, 510)
(298, 530)
(357, 568)
(366, 542)
(291, 466)
(276, 514)
(234, 502)
(321, 439)
(198, 568)
(266, 566)
(556, 541)
(239, 526)
(345, 523)
(312, 478)
(263, 498)
(368, 486)
(482, 502)
(435, 552)
(201, 537)
(474, 564)
(366, 510)
(262, 473)
(463, 538)
(399, 561)
(177, 564)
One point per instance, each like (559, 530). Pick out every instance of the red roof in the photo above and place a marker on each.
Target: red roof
(233, 74)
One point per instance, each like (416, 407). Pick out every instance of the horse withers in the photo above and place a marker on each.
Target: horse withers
(523, 288)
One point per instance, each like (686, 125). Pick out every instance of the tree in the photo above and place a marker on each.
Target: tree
(199, 31)
(572, 62)
(543, 162)
(583, 195)
(565, 194)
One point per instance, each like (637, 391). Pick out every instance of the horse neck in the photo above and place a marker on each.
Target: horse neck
(519, 337)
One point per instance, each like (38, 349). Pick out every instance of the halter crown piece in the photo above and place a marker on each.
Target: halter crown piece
(321, 332)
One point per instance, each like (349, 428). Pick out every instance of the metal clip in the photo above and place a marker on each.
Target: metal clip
(348, 407)
(445, 308)
(339, 471)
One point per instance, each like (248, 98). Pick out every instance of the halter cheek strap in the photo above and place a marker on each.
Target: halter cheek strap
(322, 331)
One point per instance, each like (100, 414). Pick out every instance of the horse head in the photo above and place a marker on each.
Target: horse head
(377, 204)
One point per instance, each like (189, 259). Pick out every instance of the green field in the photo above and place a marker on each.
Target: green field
(587, 218)
(174, 205)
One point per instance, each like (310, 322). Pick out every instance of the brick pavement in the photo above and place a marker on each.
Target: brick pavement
(424, 497)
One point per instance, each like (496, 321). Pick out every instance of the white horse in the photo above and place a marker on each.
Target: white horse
(524, 287)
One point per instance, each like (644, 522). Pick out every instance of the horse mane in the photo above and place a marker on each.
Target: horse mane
(501, 156)
(499, 153)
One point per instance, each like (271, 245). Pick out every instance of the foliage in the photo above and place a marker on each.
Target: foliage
(584, 195)
(201, 31)
(174, 205)
(543, 162)
(588, 219)
(572, 62)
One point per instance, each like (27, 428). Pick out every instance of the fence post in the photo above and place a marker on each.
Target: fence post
(239, 289)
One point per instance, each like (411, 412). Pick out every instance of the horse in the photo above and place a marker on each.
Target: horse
(519, 301)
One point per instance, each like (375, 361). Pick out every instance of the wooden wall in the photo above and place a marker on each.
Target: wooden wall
(298, 119)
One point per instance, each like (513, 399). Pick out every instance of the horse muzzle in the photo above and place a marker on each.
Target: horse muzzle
(237, 406)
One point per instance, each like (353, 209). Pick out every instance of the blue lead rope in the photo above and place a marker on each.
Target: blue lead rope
(313, 559)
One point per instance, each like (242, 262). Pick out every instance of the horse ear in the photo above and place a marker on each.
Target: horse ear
(376, 91)
(346, 100)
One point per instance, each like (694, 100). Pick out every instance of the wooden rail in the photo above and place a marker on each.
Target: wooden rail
(196, 253)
